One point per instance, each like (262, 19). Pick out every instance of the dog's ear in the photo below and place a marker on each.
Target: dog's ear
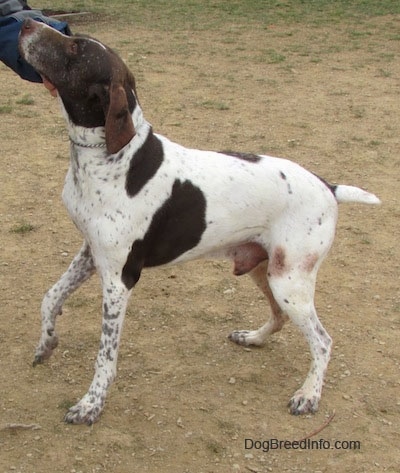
(119, 125)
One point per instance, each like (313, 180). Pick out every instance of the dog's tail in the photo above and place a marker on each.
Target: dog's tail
(354, 194)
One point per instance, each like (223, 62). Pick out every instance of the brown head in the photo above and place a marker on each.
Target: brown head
(94, 84)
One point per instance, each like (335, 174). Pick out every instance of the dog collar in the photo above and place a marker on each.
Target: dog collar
(87, 145)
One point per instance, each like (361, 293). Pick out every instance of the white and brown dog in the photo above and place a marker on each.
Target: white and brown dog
(141, 200)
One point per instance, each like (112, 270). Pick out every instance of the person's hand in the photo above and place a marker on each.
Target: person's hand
(50, 87)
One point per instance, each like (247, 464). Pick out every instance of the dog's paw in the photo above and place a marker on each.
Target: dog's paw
(239, 337)
(302, 404)
(246, 338)
(87, 411)
(45, 349)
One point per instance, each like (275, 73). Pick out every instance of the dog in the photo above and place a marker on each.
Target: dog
(141, 200)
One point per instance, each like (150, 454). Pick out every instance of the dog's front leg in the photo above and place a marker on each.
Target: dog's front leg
(80, 269)
(88, 409)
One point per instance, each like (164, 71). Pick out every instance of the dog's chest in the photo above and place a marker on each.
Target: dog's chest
(94, 192)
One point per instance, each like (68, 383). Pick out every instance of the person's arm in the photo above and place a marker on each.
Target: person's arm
(10, 26)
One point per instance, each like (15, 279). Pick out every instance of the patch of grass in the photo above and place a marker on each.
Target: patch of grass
(210, 14)
(388, 57)
(375, 143)
(365, 241)
(359, 34)
(384, 73)
(65, 404)
(25, 100)
(300, 49)
(62, 157)
(23, 228)
(212, 104)
(77, 302)
(27, 113)
(272, 57)
(339, 93)
(5, 109)
(357, 112)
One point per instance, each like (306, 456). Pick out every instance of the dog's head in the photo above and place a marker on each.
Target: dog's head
(94, 84)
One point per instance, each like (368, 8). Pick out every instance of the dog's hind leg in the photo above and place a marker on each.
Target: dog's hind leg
(294, 292)
(276, 320)
(80, 269)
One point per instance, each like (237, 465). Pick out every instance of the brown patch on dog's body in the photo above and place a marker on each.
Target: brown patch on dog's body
(310, 262)
(277, 265)
(246, 257)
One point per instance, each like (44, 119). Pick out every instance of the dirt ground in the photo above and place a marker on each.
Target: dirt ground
(185, 398)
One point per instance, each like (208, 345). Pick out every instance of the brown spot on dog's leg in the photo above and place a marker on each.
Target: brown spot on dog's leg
(310, 262)
(277, 265)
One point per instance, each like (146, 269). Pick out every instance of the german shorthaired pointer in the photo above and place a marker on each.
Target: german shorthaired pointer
(141, 200)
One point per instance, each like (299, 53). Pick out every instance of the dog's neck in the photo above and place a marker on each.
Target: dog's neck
(95, 138)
